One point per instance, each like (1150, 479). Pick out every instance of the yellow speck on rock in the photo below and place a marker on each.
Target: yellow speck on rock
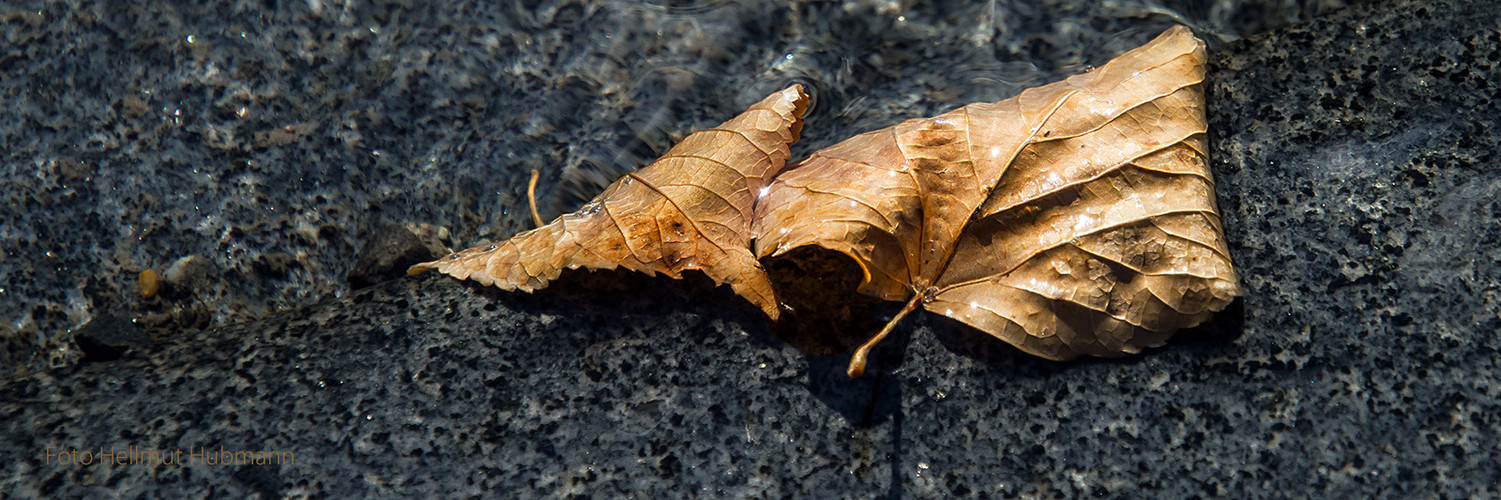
(148, 283)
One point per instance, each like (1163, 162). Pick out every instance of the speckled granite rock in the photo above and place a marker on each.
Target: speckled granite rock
(269, 140)
(1357, 164)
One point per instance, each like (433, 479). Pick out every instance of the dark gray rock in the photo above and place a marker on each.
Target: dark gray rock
(1356, 159)
(107, 338)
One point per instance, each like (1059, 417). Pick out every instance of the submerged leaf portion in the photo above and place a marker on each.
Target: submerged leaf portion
(1076, 218)
(690, 210)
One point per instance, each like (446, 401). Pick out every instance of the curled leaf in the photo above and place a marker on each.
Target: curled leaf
(689, 210)
(1075, 218)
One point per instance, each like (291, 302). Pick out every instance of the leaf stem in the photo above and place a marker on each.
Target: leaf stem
(857, 362)
(531, 198)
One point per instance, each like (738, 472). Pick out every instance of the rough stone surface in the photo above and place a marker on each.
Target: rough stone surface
(271, 138)
(1356, 157)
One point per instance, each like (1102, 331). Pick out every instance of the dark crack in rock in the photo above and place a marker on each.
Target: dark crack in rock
(387, 254)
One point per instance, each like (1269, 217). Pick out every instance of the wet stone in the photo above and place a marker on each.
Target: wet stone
(1354, 158)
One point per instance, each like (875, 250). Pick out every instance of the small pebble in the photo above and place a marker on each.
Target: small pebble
(148, 283)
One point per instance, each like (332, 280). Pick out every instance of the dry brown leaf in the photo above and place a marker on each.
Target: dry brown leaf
(691, 209)
(1076, 218)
